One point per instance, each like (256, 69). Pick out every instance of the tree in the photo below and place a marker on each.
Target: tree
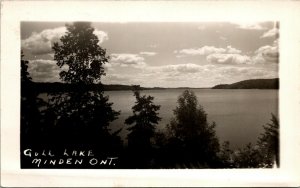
(247, 157)
(269, 143)
(195, 138)
(80, 53)
(83, 115)
(226, 156)
(30, 103)
(265, 154)
(144, 121)
(25, 77)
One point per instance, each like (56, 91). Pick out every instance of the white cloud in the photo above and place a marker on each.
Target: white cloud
(271, 33)
(116, 79)
(243, 73)
(125, 60)
(182, 68)
(44, 70)
(41, 43)
(148, 53)
(250, 26)
(206, 50)
(189, 75)
(102, 36)
(228, 59)
(232, 50)
(266, 54)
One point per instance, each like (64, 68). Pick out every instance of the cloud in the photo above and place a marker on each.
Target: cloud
(228, 59)
(125, 60)
(243, 73)
(232, 50)
(266, 54)
(189, 74)
(116, 79)
(182, 68)
(148, 53)
(205, 50)
(41, 43)
(102, 36)
(44, 70)
(271, 33)
(250, 26)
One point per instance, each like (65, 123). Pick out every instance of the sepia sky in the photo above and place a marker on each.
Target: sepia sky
(162, 54)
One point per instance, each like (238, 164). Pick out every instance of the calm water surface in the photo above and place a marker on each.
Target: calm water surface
(239, 114)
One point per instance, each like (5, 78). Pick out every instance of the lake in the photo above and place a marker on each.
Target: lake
(238, 113)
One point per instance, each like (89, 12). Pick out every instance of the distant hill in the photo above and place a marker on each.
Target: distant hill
(41, 87)
(251, 84)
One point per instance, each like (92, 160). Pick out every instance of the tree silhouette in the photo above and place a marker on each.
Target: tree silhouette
(79, 51)
(25, 77)
(193, 138)
(269, 143)
(264, 154)
(31, 130)
(143, 121)
(81, 116)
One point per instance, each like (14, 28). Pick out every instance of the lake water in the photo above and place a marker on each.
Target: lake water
(239, 114)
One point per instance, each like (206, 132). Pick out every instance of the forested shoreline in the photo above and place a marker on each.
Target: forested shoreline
(49, 87)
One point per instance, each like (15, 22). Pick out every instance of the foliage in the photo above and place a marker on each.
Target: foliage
(269, 143)
(247, 157)
(83, 115)
(79, 52)
(144, 120)
(226, 156)
(251, 84)
(265, 154)
(30, 104)
(190, 130)
(25, 77)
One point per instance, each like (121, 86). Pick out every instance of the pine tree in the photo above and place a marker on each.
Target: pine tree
(144, 121)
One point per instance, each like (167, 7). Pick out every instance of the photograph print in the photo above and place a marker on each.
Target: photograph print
(149, 95)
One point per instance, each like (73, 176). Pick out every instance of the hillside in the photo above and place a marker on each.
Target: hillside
(41, 87)
(251, 84)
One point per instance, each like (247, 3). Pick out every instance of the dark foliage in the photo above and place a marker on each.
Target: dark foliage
(192, 141)
(264, 154)
(143, 121)
(79, 52)
(269, 143)
(47, 87)
(251, 84)
(25, 77)
(76, 118)
(81, 116)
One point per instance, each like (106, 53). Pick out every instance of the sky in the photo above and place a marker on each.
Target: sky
(165, 54)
